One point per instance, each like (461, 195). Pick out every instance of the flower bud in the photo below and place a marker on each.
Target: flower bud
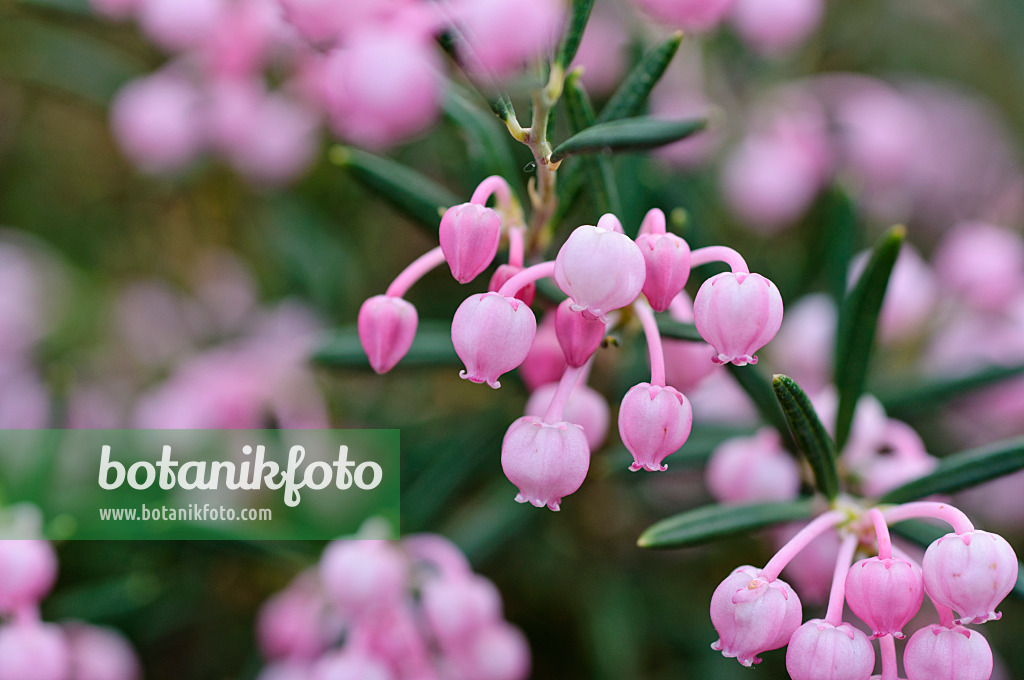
(939, 653)
(156, 122)
(457, 608)
(774, 26)
(982, 263)
(753, 615)
(502, 36)
(600, 270)
(100, 654)
(753, 469)
(737, 314)
(654, 422)
(492, 335)
(503, 273)
(667, 259)
(29, 570)
(970, 573)
(33, 651)
(690, 15)
(469, 239)
(387, 326)
(349, 665)
(178, 25)
(363, 575)
(578, 335)
(290, 624)
(885, 593)
(496, 652)
(585, 407)
(546, 461)
(819, 650)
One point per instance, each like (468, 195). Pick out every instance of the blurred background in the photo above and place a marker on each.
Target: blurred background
(192, 255)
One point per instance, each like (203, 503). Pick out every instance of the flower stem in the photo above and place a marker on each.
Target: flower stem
(565, 386)
(719, 254)
(654, 346)
(837, 596)
(493, 185)
(654, 222)
(947, 513)
(787, 552)
(887, 643)
(882, 533)
(527, 276)
(415, 271)
(516, 246)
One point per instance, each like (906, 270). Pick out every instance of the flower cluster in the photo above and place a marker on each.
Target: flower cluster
(386, 610)
(32, 649)
(369, 68)
(968, 572)
(603, 273)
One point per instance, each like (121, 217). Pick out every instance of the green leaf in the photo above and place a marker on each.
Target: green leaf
(904, 395)
(718, 521)
(631, 96)
(420, 198)
(678, 330)
(432, 347)
(835, 243)
(963, 470)
(761, 392)
(924, 534)
(629, 134)
(486, 140)
(599, 169)
(855, 334)
(574, 32)
(811, 438)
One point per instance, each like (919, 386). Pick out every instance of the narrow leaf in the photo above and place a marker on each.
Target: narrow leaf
(631, 96)
(578, 18)
(487, 141)
(599, 169)
(904, 395)
(855, 334)
(718, 521)
(678, 330)
(834, 245)
(760, 390)
(811, 438)
(432, 347)
(629, 134)
(420, 198)
(963, 470)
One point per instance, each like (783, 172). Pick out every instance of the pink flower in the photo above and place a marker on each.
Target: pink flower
(982, 263)
(690, 15)
(387, 327)
(492, 335)
(737, 314)
(753, 615)
(29, 569)
(498, 37)
(469, 239)
(457, 608)
(752, 469)
(545, 362)
(178, 25)
(578, 335)
(819, 650)
(100, 654)
(350, 665)
(33, 651)
(495, 652)
(885, 593)
(654, 422)
(939, 653)
(601, 270)
(585, 407)
(503, 273)
(290, 624)
(805, 344)
(910, 297)
(774, 26)
(970, 573)
(546, 461)
(667, 259)
(360, 576)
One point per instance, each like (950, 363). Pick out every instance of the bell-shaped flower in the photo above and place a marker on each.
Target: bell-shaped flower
(667, 259)
(970, 573)
(737, 314)
(585, 407)
(31, 650)
(939, 653)
(28, 570)
(492, 335)
(456, 608)
(601, 270)
(469, 236)
(496, 652)
(546, 461)
(690, 15)
(654, 422)
(885, 593)
(753, 469)
(753, 615)
(349, 665)
(387, 326)
(819, 650)
(578, 335)
(100, 653)
(363, 575)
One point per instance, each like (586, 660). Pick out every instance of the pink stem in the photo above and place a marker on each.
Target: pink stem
(562, 392)
(887, 643)
(882, 532)
(654, 221)
(526, 277)
(945, 613)
(490, 186)
(515, 246)
(415, 271)
(719, 254)
(650, 324)
(947, 513)
(837, 596)
(800, 541)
